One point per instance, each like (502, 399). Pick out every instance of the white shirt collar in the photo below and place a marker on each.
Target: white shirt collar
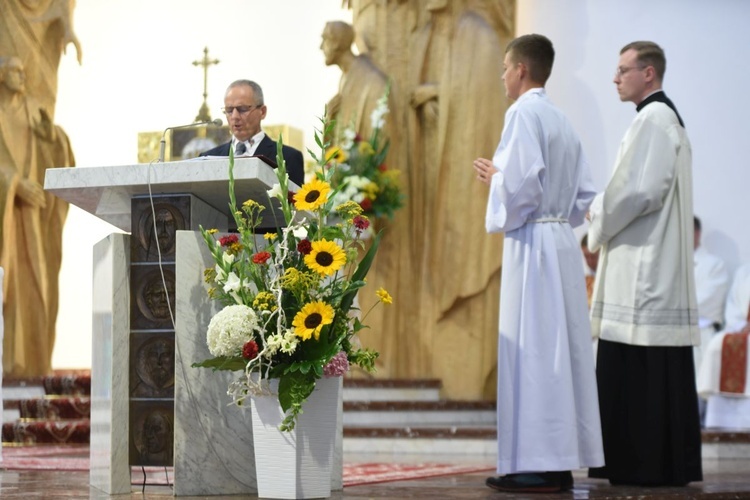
(251, 144)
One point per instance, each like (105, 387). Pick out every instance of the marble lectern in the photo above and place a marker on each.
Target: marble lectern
(142, 341)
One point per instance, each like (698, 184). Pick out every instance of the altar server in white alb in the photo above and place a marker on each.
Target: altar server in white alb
(644, 309)
(540, 188)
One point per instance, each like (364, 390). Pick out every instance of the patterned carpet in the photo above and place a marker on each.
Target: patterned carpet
(76, 458)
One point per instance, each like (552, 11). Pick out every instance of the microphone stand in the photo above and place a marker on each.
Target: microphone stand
(163, 144)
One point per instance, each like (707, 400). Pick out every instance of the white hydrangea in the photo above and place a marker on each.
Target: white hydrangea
(229, 329)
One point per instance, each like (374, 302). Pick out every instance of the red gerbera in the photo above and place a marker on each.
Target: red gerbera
(290, 197)
(250, 350)
(382, 167)
(304, 247)
(225, 241)
(361, 223)
(357, 138)
(366, 204)
(261, 257)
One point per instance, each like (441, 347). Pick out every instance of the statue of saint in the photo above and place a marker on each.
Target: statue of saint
(38, 32)
(362, 82)
(32, 222)
(33, 36)
(442, 268)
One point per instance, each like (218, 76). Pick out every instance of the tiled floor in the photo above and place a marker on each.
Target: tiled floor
(723, 479)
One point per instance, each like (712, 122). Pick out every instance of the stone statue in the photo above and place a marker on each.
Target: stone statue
(361, 84)
(38, 32)
(444, 58)
(31, 232)
(33, 36)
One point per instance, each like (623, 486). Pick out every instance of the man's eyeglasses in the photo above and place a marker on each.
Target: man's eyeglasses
(622, 70)
(240, 109)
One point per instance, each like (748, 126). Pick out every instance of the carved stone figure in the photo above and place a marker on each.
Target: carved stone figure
(445, 61)
(31, 232)
(154, 368)
(38, 32)
(33, 36)
(155, 442)
(361, 84)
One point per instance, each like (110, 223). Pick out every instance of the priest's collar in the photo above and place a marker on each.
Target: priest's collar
(659, 96)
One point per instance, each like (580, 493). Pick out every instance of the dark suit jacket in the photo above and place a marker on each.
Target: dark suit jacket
(295, 166)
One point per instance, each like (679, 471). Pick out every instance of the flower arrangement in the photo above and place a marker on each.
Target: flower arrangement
(361, 174)
(289, 295)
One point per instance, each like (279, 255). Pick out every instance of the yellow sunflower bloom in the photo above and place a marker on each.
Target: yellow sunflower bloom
(311, 319)
(326, 257)
(384, 296)
(312, 195)
(336, 154)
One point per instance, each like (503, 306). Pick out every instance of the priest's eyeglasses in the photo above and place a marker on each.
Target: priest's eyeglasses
(240, 109)
(624, 69)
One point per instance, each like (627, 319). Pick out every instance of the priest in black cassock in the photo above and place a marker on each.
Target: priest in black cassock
(644, 308)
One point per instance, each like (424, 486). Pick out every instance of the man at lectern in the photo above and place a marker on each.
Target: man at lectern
(244, 108)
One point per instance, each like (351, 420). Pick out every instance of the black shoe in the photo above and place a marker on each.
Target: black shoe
(531, 482)
(566, 480)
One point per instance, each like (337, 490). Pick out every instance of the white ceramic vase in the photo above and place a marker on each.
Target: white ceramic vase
(296, 464)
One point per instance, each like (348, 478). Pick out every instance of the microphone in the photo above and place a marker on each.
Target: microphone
(217, 122)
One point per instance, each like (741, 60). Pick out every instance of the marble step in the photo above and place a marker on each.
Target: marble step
(361, 389)
(482, 440)
(419, 413)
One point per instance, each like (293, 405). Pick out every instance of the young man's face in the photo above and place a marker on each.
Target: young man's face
(630, 78)
(512, 76)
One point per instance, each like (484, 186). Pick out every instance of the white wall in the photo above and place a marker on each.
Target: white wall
(706, 46)
(137, 76)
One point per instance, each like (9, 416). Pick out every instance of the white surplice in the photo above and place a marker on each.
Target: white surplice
(711, 286)
(643, 223)
(547, 407)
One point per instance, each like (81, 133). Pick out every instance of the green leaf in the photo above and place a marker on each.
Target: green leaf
(361, 272)
(295, 388)
(223, 363)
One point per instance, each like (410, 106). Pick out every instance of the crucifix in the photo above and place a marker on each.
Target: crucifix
(204, 115)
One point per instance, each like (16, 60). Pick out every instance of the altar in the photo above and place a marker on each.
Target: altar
(149, 406)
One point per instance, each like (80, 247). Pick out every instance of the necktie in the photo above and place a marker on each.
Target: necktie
(240, 149)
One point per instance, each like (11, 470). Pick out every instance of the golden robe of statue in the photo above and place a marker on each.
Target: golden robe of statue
(31, 238)
(33, 36)
(436, 258)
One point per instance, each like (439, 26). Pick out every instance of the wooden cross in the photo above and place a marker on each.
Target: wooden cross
(204, 115)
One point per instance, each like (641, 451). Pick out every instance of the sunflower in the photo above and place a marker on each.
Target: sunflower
(336, 154)
(326, 257)
(312, 195)
(311, 319)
